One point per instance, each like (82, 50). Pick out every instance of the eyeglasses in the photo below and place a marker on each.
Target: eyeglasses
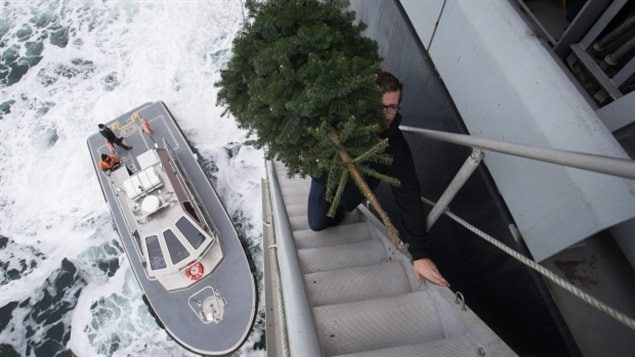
(393, 108)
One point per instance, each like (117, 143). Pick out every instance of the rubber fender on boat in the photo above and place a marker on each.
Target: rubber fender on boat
(154, 314)
(146, 126)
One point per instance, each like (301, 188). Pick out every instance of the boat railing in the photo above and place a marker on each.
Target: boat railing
(186, 183)
(597, 163)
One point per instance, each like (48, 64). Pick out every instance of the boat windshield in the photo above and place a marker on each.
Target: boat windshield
(172, 246)
(155, 254)
(190, 232)
(176, 250)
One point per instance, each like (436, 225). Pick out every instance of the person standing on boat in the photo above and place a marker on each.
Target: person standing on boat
(111, 137)
(407, 195)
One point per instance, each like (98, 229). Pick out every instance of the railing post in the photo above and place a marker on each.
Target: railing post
(470, 164)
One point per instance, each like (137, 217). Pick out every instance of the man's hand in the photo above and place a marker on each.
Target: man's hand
(426, 268)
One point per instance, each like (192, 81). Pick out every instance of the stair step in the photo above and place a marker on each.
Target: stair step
(296, 209)
(296, 200)
(300, 223)
(407, 319)
(453, 346)
(342, 256)
(295, 183)
(297, 197)
(296, 194)
(281, 170)
(279, 166)
(355, 284)
(340, 234)
(292, 185)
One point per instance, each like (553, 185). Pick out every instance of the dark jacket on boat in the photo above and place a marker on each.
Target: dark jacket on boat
(108, 134)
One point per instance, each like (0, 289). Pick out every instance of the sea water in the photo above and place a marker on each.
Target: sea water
(65, 284)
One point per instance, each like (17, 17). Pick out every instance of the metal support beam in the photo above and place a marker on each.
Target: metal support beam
(587, 16)
(591, 162)
(604, 81)
(531, 16)
(602, 22)
(453, 188)
(619, 113)
(625, 73)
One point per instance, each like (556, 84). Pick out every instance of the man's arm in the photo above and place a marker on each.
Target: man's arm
(412, 211)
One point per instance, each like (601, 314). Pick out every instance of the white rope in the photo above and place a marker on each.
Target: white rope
(617, 315)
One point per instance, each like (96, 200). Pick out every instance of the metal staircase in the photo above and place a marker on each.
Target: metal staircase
(362, 296)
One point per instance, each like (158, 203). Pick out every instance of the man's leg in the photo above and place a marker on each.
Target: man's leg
(352, 196)
(318, 207)
(119, 142)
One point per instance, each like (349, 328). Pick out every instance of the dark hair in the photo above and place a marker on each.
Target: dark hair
(104, 156)
(388, 82)
(100, 126)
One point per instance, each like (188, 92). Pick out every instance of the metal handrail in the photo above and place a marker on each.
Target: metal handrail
(591, 162)
(276, 331)
(301, 331)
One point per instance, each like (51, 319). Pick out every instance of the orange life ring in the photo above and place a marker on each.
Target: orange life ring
(194, 271)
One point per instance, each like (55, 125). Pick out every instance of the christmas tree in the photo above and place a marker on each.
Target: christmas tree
(302, 77)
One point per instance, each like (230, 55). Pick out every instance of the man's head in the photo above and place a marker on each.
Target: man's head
(391, 89)
(101, 126)
(104, 157)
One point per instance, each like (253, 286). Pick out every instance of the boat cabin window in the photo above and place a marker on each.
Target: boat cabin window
(155, 255)
(190, 209)
(176, 250)
(193, 235)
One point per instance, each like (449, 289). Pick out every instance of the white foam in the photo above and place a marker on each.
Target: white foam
(49, 196)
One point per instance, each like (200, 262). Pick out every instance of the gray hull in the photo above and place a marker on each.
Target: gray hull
(231, 279)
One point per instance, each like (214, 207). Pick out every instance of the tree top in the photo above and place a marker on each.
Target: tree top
(300, 70)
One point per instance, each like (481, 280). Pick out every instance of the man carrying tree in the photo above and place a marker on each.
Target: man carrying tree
(304, 79)
(407, 194)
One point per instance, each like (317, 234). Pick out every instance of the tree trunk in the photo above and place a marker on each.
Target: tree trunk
(366, 191)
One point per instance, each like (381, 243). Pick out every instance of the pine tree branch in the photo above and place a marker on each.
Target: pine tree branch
(383, 144)
(330, 183)
(388, 179)
(366, 191)
(338, 194)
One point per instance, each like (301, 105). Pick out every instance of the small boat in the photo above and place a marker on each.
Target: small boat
(191, 265)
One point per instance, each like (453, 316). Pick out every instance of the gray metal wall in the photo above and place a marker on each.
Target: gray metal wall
(512, 300)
